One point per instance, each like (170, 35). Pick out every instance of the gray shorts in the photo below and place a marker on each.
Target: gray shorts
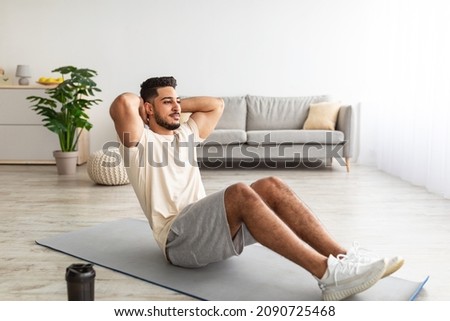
(201, 235)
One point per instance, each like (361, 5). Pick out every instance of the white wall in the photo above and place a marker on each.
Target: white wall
(233, 47)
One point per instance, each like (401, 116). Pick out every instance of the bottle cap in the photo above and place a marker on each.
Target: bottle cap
(80, 272)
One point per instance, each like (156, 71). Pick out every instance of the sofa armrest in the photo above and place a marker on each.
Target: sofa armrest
(345, 125)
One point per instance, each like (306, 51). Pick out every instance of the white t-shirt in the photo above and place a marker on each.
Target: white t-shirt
(165, 176)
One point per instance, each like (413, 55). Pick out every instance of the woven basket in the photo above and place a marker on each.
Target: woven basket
(106, 168)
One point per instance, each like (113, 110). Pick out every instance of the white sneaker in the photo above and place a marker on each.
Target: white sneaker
(345, 277)
(364, 256)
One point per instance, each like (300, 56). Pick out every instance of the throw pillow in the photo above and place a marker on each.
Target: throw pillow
(322, 116)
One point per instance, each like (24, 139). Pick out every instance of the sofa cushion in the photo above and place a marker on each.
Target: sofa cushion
(264, 113)
(298, 136)
(322, 116)
(226, 137)
(234, 113)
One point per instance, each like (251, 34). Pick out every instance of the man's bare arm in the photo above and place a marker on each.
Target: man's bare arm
(128, 114)
(206, 112)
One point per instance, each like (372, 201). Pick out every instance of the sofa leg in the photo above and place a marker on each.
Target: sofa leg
(347, 164)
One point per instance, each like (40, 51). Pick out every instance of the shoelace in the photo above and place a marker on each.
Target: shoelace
(345, 265)
(360, 254)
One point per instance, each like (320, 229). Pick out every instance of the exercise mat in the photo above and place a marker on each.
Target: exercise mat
(258, 274)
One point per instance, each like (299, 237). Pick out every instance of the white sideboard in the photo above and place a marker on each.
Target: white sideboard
(23, 138)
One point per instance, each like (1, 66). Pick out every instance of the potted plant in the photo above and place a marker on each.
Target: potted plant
(63, 111)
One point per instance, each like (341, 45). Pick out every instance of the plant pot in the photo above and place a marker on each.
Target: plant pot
(66, 162)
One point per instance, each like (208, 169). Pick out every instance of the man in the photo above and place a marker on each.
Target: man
(193, 229)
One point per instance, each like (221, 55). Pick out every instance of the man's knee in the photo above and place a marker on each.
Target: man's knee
(267, 184)
(239, 191)
(239, 198)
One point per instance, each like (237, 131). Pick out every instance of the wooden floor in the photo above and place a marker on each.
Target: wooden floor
(381, 212)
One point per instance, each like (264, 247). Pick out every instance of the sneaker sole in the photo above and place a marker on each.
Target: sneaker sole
(394, 266)
(339, 295)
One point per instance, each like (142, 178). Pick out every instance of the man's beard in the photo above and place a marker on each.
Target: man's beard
(161, 122)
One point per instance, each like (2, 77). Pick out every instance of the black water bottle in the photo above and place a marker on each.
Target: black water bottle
(80, 278)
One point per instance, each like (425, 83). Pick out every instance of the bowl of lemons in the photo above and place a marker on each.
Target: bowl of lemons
(50, 81)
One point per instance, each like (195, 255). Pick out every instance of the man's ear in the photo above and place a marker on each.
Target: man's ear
(148, 107)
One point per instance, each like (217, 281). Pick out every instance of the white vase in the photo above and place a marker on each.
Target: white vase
(66, 162)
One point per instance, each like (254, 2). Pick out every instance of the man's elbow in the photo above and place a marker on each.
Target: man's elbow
(121, 102)
(220, 105)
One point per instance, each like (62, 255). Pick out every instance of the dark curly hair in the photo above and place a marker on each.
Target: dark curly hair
(150, 86)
